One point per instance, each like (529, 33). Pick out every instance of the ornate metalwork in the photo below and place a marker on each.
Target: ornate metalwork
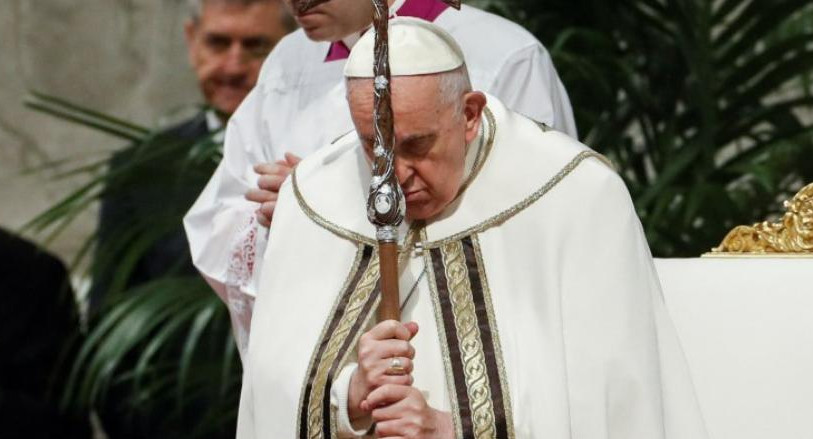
(385, 202)
(793, 234)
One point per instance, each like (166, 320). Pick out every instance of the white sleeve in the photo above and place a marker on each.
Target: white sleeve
(225, 239)
(626, 373)
(528, 84)
(339, 395)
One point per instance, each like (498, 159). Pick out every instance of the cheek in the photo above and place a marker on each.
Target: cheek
(441, 180)
(206, 65)
(254, 70)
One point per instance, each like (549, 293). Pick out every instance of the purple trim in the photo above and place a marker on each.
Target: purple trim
(338, 50)
(428, 10)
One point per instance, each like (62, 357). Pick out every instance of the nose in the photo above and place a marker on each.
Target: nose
(404, 170)
(236, 59)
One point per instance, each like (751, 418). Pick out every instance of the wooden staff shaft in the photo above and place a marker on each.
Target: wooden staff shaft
(390, 307)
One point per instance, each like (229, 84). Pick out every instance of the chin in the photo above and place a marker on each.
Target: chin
(319, 35)
(317, 27)
(420, 212)
(227, 105)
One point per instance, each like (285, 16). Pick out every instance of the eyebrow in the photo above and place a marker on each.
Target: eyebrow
(408, 139)
(417, 137)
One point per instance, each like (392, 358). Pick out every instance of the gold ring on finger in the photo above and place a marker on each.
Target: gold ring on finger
(396, 367)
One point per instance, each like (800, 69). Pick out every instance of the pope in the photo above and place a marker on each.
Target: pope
(532, 305)
(298, 106)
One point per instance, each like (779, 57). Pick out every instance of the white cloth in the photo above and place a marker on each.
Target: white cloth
(746, 329)
(299, 105)
(588, 349)
(416, 47)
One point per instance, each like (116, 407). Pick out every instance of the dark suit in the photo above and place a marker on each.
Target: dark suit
(151, 186)
(38, 327)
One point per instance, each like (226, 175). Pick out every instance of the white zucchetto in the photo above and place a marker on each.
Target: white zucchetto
(417, 47)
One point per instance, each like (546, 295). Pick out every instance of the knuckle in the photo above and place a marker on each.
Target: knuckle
(366, 365)
(364, 349)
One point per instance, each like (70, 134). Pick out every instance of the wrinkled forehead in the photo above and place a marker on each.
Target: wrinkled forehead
(405, 90)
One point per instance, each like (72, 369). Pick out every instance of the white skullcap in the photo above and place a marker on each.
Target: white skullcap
(417, 47)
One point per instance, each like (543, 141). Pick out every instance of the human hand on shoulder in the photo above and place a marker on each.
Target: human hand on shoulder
(402, 412)
(271, 177)
(385, 356)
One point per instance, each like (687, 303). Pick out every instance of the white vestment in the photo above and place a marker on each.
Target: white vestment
(540, 312)
(299, 105)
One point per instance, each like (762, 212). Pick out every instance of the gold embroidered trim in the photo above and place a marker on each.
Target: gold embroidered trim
(334, 424)
(482, 156)
(441, 325)
(359, 238)
(323, 222)
(478, 228)
(354, 308)
(469, 340)
(522, 205)
(495, 338)
(323, 332)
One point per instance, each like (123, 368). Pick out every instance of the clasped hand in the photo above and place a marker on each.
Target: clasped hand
(398, 409)
(271, 177)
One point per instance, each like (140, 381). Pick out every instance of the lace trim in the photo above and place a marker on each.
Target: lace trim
(238, 276)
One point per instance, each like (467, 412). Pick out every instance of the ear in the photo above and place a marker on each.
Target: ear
(473, 104)
(190, 32)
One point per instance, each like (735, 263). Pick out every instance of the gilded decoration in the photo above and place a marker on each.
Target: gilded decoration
(475, 373)
(333, 340)
(469, 341)
(792, 235)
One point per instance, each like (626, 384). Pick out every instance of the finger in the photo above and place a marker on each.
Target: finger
(387, 349)
(396, 380)
(413, 328)
(412, 404)
(292, 159)
(386, 395)
(390, 329)
(266, 168)
(386, 369)
(265, 222)
(280, 167)
(261, 196)
(271, 182)
(393, 429)
(267, 210)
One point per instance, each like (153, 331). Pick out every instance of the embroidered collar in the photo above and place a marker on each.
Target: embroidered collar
(428, 10)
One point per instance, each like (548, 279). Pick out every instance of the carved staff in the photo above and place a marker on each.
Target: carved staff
(385, 203)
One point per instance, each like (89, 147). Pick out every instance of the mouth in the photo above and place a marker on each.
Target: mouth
(310, 13)
(414, 196)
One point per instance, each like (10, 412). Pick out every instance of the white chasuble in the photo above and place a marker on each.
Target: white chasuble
(539, 309)
(299, 106)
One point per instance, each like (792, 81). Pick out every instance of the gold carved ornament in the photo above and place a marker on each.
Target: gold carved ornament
(793, 234)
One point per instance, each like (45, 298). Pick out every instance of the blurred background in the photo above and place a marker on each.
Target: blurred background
(705, 106)
(126, 58)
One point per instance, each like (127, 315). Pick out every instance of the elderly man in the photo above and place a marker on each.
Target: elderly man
(532, 303)
(227, 41)
(298, 107)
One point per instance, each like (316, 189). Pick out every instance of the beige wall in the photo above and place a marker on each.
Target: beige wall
(123, 57)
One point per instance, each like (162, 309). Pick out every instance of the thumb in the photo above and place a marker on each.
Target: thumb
(292, 159)
(413, 329)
